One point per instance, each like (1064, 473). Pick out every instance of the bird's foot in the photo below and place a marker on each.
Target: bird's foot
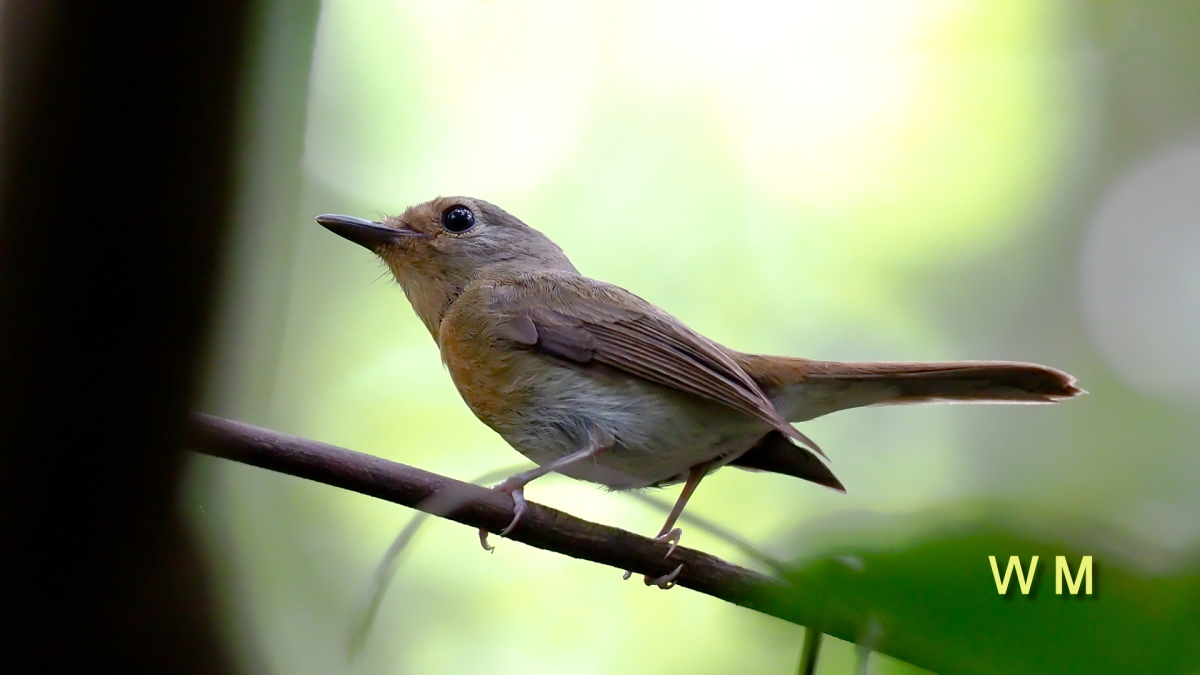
(666, 580)
(672, 536)
(516, 490)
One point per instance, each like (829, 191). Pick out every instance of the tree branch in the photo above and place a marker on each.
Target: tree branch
(479, 507)
(542, 527)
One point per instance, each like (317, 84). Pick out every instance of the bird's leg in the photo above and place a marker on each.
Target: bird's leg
(515, 485)
(669, 532)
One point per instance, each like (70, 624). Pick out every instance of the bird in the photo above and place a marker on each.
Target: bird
(588, 380)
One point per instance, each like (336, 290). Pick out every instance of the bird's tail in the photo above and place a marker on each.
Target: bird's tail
(804, 389)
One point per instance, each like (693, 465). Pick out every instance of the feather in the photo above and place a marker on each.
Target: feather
(586, 321)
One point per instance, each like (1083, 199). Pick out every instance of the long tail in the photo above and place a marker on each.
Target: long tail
(802, 389)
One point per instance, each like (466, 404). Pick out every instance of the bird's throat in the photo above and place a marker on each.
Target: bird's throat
(431, 301)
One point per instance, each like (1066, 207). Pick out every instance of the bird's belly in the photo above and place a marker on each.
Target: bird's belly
(659, 433)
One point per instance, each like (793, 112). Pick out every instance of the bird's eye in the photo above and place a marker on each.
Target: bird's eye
(458, 219)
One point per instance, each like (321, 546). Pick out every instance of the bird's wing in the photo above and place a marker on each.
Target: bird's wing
(585, 321)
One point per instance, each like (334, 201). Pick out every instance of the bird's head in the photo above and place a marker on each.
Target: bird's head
(435, 249)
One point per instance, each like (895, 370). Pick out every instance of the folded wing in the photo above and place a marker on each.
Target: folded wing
(584, 321)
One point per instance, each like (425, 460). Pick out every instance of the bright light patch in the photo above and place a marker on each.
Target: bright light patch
(885, 128)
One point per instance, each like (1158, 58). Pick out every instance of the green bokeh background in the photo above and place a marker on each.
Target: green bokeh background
(912, 180)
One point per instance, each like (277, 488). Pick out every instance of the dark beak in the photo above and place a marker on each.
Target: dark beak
(365, 233)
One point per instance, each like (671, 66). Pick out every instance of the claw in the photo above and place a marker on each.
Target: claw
(673, 536)
(667, 580)
(514, 486)
(520, 506)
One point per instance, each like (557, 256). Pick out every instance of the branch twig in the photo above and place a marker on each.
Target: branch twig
(542, 527)
(476, 506)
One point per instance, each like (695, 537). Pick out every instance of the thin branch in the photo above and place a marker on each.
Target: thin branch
(472, 505)
(479, 507)
(386, 568)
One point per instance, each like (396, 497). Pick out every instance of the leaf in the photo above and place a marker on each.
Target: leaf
(921, 588)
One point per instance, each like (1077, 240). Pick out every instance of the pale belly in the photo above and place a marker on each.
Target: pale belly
(659, 433)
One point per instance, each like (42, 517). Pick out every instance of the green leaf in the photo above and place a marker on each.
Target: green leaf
(921, 588)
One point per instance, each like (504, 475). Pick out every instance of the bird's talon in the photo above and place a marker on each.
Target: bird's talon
(520, 506)
(667, 580)
(517, 492)
(673, 537)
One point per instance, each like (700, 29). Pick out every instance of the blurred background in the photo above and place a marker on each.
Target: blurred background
(917, 180)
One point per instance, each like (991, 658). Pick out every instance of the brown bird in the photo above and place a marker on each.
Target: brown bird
(589, 380)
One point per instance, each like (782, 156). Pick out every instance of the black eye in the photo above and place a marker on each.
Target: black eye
(458, 219)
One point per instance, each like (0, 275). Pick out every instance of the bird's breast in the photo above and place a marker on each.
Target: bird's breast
(492, 378)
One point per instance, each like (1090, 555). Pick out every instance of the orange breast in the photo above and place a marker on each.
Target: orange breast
(491, 376)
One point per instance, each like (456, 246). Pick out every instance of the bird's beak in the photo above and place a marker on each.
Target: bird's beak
(365, 233)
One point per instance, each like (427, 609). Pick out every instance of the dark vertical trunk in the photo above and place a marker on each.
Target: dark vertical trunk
(115, 176)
